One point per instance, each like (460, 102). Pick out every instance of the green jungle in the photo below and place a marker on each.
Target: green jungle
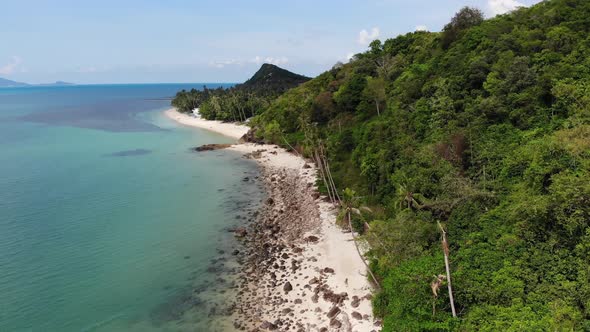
(472, 143)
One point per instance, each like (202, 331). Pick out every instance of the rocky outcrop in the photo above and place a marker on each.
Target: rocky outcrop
(211, 147)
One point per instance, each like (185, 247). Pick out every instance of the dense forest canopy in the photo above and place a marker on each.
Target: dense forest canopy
(483, 128)
(242, 101)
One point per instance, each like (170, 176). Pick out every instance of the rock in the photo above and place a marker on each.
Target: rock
(356, 315)
(312, 239)
(287, 287)
(270, 201)
(328, 270)
(266, 325)
(211, 147)
(306, 166)
(240, 232)
(335, 298)
(335, 323)
(250, 137)
(313, 280)
(333, 312)
(315, 195)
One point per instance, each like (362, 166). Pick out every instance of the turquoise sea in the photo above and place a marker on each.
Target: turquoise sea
(107, 221)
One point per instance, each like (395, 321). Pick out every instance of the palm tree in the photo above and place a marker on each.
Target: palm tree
(445, 247)
(350, 205)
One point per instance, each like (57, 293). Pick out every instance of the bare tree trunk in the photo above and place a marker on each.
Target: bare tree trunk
(445, 246)
(377, 104)
(359, 251)
(330, 175)
(331, 180)
(321, 168)
(291, 147)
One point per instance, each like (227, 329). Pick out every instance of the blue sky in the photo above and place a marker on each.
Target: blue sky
(149, 41)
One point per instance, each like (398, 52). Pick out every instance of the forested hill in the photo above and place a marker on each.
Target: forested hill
(272, 77)
(242, 101)
(483, 128)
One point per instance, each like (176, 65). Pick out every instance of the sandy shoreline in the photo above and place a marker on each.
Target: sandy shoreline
(299, 271)
(224, 128)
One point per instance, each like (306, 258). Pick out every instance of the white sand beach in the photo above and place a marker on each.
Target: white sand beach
(225, 128)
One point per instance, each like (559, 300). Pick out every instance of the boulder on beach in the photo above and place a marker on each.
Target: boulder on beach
(287, 287)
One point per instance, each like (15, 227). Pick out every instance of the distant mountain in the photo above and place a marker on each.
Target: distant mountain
(273, 77)
(8, 83)
(4, 83)
(57, 83)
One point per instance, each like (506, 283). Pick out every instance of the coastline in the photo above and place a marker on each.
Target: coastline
(224, 128)
(299, 271)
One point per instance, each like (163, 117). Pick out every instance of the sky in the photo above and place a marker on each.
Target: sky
(177, 41)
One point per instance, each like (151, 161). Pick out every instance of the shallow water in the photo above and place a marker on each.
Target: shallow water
(107, 220)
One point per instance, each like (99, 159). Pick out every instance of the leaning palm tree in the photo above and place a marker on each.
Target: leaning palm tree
(445, 247)
(349, 206)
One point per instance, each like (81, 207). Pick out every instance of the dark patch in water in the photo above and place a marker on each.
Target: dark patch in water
(128, 153)
(175, 307)
(108, 116)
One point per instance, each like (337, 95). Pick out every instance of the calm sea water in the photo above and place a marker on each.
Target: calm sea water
(107, 220)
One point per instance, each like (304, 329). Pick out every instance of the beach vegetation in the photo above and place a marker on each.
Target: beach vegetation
(483, 129)
(240, 102)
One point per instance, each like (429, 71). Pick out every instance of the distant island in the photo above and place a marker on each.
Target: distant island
(56, 83)
(6, 83)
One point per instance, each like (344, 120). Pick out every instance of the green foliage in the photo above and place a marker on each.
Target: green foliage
(466, 18)
(484, 127)
(242, 101)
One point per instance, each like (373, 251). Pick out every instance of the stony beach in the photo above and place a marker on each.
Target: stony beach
(298, 270)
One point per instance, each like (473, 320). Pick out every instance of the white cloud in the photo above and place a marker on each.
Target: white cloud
(366, 37)
(222, 64)
(498, 7)
(92, 69)
(275, 61)
(256, 60)
(12, 66)
(421, 28)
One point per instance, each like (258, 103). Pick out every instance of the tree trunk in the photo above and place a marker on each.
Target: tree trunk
(359, 251)
(321, 168)
(445, 246)
(329, 173)
(377, 104)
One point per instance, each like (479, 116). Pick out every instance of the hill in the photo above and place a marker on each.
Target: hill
(57, 83)
(8, 83)
(273, 77)
(242, 101)
(482, 130)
